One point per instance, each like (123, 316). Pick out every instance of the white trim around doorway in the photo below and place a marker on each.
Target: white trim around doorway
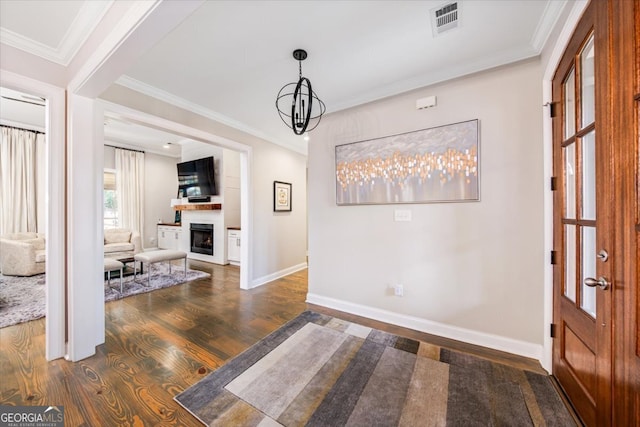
(554, 59)
(55, 202)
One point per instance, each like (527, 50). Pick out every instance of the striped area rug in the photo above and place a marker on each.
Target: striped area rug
(318, 370)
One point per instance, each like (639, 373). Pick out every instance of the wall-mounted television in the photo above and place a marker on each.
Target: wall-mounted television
(196, 178)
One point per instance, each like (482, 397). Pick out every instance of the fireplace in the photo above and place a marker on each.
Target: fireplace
(202, 238)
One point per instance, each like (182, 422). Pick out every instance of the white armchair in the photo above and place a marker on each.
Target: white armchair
(121, 243)
(22, 254)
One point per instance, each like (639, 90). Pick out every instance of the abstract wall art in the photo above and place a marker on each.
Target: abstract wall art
(439, 164)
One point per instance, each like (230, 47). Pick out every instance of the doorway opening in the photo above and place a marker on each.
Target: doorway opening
(54, 194)
(202, 139)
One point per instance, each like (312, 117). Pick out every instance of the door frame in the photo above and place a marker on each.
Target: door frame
(624, 374)
(55, 332)
(592, 391)
(561, 43)
(246, 168)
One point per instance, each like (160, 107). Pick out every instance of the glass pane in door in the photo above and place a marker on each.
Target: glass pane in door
(570, 181)
(588, 303)
(587, 93)
(570, 105)
(589, 176)
(570, 262)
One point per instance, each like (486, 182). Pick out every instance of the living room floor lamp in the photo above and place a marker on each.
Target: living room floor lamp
(298, 105)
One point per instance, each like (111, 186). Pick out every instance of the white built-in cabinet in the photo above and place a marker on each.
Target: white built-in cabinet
(233, 249)
(169, 236)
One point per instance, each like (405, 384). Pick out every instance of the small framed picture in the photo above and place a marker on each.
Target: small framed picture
(181, 193)
(281, 196)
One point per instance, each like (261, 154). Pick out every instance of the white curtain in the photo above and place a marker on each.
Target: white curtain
(130, 189)
(22, 178)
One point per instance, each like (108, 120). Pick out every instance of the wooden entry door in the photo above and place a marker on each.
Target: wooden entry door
(583, 223)
(596, 154)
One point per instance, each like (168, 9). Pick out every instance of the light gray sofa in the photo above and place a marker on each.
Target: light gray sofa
(22, 254)
(121, 243)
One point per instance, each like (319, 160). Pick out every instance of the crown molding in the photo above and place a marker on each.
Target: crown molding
(483, 64)
(79, 31)
(28, 45)
(169, 98)
(548, 20)
(87, 19)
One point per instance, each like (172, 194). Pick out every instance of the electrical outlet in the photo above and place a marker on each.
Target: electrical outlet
(398, 290)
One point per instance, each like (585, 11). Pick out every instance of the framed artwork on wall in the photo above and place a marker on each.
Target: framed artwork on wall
(439, 164)
(281, 196)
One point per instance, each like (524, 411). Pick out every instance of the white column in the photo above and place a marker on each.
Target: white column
(56, 225)
(85, 248)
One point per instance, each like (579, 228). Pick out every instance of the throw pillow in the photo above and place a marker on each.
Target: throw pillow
(117, 237)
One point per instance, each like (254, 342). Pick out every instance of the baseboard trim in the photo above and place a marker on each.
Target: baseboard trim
(278, 274)
(496, 342)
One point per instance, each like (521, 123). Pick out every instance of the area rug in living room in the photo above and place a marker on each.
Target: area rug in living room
(23, 298)
(318, 370)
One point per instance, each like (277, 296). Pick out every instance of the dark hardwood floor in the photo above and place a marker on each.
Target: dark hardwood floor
(159, 343)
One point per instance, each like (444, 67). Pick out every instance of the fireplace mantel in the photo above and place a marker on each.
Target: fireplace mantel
(199, 207)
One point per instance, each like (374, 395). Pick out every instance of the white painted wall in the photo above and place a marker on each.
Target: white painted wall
(160, 186)
(110, 157)
(470, 271)
(280, 237)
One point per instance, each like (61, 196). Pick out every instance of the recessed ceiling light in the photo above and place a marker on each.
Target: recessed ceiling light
(167, 145)
(306, 137)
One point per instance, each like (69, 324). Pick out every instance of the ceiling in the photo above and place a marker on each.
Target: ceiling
(229, 59)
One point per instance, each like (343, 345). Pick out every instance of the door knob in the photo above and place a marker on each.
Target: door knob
(601, 282)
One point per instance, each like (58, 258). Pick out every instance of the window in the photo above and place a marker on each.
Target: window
(110, 200)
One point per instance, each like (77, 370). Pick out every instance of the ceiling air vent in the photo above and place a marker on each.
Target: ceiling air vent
(444, 18)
